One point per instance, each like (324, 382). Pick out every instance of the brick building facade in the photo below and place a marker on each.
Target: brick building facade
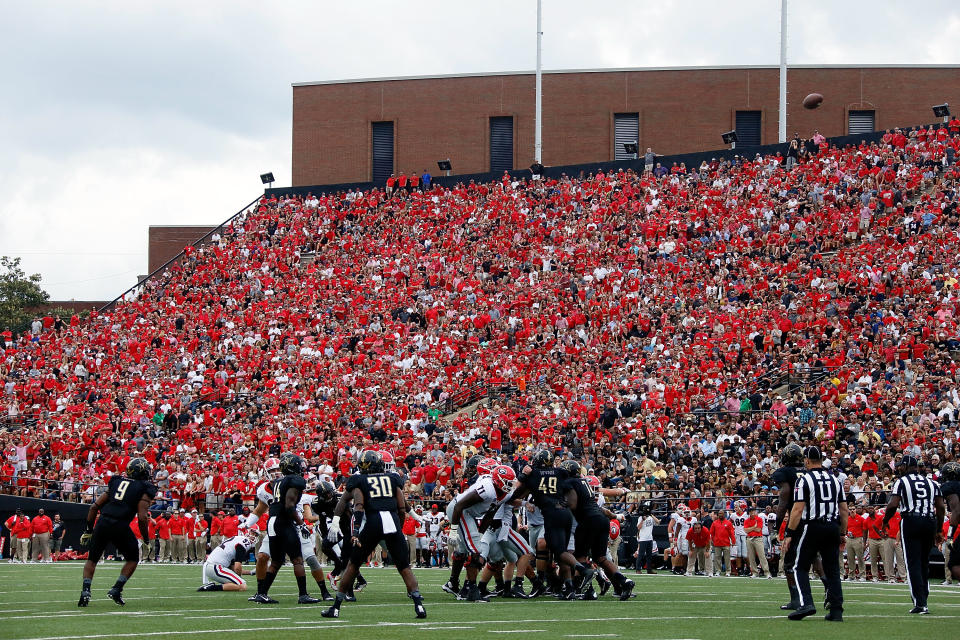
(675, 110)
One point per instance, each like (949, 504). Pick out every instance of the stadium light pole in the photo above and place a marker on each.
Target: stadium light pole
(538, 139)
(782, 129)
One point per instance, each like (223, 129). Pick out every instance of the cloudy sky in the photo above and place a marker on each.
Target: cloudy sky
(118, 115)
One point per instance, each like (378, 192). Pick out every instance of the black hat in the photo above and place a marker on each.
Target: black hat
(909, 461)
(813, 453)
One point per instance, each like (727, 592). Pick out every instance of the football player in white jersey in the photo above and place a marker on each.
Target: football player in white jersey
(433, 522)
(224, 565)
(467, 510)
(738, 555)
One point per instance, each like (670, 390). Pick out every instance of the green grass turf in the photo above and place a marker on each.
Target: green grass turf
(40, 601)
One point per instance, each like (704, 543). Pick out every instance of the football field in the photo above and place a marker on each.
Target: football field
(40, 602)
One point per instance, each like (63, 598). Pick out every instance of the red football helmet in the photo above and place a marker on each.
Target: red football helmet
(503, 477)
(388, 463)
(272, 467)
(593, 481)
(614, 529)
(486, 466)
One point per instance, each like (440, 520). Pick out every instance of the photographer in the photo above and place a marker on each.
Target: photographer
(645, 524)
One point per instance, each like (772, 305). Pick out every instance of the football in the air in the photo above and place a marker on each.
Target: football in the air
(812, 101)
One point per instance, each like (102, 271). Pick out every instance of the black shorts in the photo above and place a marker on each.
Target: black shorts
(110, 531)
(591, 537)
(557, 524)
(285, 543)
(371, 534)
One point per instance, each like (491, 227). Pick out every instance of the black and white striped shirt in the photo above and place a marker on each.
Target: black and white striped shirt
(917, 495)
(821, 494)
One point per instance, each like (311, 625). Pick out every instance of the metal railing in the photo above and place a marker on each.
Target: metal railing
(180, 255)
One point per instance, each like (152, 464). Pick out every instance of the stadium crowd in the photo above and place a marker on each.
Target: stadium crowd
(671, 330)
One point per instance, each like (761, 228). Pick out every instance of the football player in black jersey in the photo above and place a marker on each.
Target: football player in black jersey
(284, 530)
(593, 530)
(458, 558)
(546, 484)
(126, 496)
(785, 479)
(379, 508)
(950, 488)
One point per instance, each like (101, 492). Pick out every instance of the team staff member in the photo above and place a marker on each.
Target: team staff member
(216, 530)
(126, 496)
(42, 528)
(856, 540)
(56, 536)
(722, 536)
(920, 503)
(20, 533)
(818, 516)
(753, 526)
(178, 538)
(163, 534)
(874, 521)
(893, 550)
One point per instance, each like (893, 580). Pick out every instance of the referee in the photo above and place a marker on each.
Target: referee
(921, 508)
(818, 517)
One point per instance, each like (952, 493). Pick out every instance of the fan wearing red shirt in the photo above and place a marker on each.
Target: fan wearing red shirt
(722, 536)
(698, 557)
(430, 472)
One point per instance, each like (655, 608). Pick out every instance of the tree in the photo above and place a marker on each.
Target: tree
(18, 294)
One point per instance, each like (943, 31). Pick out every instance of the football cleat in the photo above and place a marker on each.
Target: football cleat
(590, 594)
(262, 598)
(604, 585)
(307, 599)
(349, 598)
(802, 612)
(587, 580)
(334, 580)
(418, 607)
(474, 595)
(834, 615)
(117, 596)
(451, 588)
(923, 611)
(538, 589)
(793, 605)
(626, 589)
(331, 612)
(360, 585)
(84, 598)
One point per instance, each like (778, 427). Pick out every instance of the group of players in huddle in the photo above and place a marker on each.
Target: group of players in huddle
(564, 551)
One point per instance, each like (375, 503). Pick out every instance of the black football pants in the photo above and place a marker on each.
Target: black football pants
(823, 538)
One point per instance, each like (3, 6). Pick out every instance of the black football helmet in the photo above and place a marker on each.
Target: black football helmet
(326, 490)
(542, 459)
(291, 464)
(572, 467)
(370, 462)
(792, 455)
(950, 472)
(139, 469)
(470, 469)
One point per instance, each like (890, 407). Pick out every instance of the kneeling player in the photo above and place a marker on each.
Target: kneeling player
(224, 565)
(378, 509)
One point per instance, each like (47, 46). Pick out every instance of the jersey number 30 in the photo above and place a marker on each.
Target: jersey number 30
(121, 490)
(380, 487)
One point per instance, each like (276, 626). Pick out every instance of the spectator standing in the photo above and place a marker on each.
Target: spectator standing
(649, 158)
(722, 537)
(425, 180)
(42, 528)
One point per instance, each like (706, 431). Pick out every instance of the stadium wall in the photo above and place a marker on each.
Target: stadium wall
(681, 110)
(167, 241)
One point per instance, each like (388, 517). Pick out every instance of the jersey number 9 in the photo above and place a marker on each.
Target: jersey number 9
(121, 490)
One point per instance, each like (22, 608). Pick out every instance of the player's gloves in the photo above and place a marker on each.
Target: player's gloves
(304, 531)
(85, 539)
(357, 523)
(333, 533)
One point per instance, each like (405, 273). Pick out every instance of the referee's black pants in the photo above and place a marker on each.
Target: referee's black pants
(812, 538)
(917, 534)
